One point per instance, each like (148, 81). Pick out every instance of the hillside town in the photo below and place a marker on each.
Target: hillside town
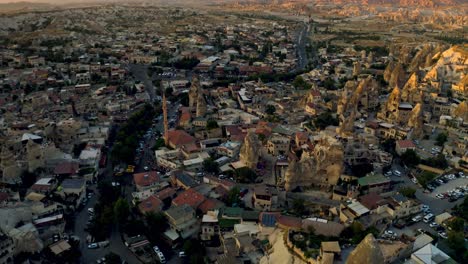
(147, 134)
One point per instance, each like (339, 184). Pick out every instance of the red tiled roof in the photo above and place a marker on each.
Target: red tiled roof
(66, 168)
(209, 204)
(302, 135)
(179, 138)
(403, 144)
(371, 200)
(146, 178)
(166, 193)
(290, 221)
(150, 204)
(189, 197)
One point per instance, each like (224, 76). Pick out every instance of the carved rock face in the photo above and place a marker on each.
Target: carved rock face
(368, 251)
(323, 167)
(250, 150)
(415, 121)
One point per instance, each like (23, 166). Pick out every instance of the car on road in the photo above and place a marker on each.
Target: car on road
(182, 254)
(433, 225)
(101, 260)
(440, 196)
(93, 246)
(397, 173)
(91, 211)
(443, 235)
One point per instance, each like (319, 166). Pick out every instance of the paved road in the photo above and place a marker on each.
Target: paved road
(140, 73)
(301, 42)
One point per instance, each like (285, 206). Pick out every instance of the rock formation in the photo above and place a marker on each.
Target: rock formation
(323, 167)
(411, 92)
(388, 70)
(201, 106)
(415, 122)
(11, 172)
(194, 91)
(450, 67)
(356, 68)
(250, 150)
(389, 111)
(368, 251)
(461, 111)
(397, 77)
(355, 97)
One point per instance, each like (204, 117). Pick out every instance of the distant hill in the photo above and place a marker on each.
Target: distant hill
(17, 6)
(415, 3)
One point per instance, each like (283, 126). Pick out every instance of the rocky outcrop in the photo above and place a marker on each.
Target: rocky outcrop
(250, 150)
(461, 111)
(355, 97)
(323, 167)
(388, 70)
(368, 251)
(356, 68)
(11, 172)
(411, 92)
(194, 91)
(450, 67)
(397, 77)
(201, 106)
(389, 111)
(416, 122)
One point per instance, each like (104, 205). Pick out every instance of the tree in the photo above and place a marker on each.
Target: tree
(325, 119)
(211, 124)
(457, 224)
(441, 139)
(300, 83)
(156, 224)
(121, 211)
(245, 175)
(438, 161)
(410, 158)
(461, 210)
(233, 196)
(211, 166)
(329, 84)
(112, 258)
(195, 251)
(456, 241)
(298, 206)
(270, 109)
(408, 192)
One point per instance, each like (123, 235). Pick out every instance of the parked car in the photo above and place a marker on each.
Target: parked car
(433, 225)
(93, 246)
(443, 235)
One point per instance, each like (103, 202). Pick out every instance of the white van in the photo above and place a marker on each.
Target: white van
(397, 173)
(428, 218)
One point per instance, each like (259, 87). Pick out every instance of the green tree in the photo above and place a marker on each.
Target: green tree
(195, 251)
(325, 119)
(245, 175)
(156, 224)
(300, 83)
(456, 241)
(457, 224)
(441, 139)
(270, 109)
(408, 192)
(112, 258)
(211, 166)
(233, 196)
(211, 124)
(461, 210)
(410, 158)
(298, 206)
(121, 211)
